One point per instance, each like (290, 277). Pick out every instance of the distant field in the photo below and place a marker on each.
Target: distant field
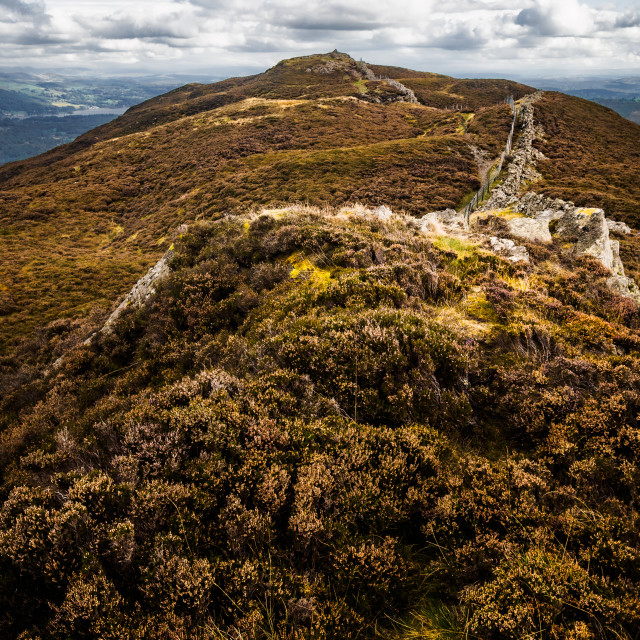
(620, 94)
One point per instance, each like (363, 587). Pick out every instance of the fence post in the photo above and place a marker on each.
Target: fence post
(492, 176)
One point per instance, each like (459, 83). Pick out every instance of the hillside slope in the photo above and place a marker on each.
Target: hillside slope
(332, 421)
(80, 224)
(328, 425)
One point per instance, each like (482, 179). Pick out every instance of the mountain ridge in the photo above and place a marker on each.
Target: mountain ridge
(103, 190)
(272, 369)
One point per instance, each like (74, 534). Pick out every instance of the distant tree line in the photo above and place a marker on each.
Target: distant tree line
(23, 138)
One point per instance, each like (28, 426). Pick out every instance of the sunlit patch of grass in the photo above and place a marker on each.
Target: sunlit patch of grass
(476, 305)
(466, 119)
(463, 248)
(276, 214)
(506, 214)
(361, 85)
(434, 620)
(304, 269)
(519, 284)
(115, 231)
(456, 316)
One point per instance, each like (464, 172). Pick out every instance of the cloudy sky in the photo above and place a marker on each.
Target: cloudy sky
(220, 37)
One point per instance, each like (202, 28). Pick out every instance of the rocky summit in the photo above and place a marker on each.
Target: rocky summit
(338, 350)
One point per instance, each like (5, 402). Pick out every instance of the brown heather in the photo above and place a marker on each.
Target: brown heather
(321, 426)
(82, 223)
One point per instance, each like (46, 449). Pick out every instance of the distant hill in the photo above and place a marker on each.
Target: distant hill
(620, 94)
(25, 97)
(14, 102)
(26, 137)
(309, 129)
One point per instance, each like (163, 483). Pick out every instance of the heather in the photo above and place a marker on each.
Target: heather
(331, 426)
(83, 222)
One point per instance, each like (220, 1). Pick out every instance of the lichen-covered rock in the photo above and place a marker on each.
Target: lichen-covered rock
(530, 229)
(588, 230)
(618, 227)
(624, 286)
(535, 205)
(509, 249)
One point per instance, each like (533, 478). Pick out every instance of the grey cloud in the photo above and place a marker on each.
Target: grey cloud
(538, 20)
(18, 7)
(628, 20)
(17, 10)
(460, 39)
(129, 28)
(554, 19)
(329, 24)
(37, 38)
(207, 4)
(335, 16)
(256, 45)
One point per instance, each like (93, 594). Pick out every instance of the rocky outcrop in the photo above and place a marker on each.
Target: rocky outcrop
(541, 207)
(406, 94)
(618, 227)
(509, 249)
(523, 161)
(588, 231)
(139, 295)
(530, 230)
(141, 291)
(383, 212)
(624, 286)
(618, 267)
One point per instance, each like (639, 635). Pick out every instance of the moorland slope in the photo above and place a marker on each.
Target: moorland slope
(333, 421)
(80, 224)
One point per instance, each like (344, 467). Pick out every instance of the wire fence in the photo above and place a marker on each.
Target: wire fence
(494, 171)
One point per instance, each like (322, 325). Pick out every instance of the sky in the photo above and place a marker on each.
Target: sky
(231, 37)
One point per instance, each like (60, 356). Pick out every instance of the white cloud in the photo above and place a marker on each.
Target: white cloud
(473, 36)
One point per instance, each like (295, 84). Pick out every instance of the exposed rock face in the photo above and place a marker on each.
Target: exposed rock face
(383, 212)
(530, 229)
(618, 267)
(589, 230)
(541, 207)
(509, 249)
(618, 227)
(521, 168)
(142, 290)
(624, 286)
(406, 94)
